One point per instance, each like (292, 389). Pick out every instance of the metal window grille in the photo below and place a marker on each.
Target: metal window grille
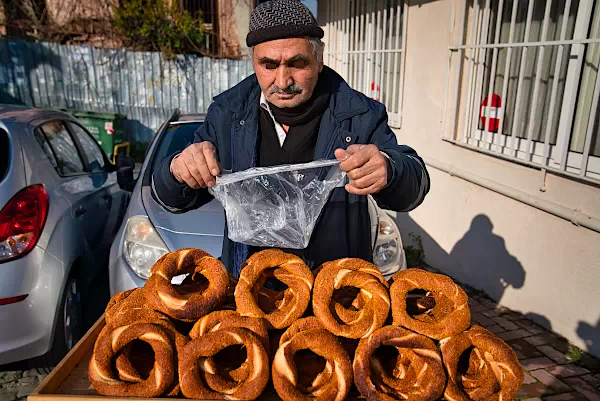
(364, 44)
(208, 11)
(523, 83)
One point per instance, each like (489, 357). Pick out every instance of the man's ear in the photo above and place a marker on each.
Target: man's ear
(321, 67)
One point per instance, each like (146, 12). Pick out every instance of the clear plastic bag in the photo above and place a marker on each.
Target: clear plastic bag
(277, 206)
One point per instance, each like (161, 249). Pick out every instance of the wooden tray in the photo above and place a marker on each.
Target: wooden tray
(69, 380)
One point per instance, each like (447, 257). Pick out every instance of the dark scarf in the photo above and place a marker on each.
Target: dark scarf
(304, 113)
(301, 138)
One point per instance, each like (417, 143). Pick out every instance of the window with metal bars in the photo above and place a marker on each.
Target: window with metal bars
(207, 10)
(364, 41)
(524, 84)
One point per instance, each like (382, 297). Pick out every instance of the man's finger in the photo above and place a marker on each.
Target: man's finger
(210, 154)
(364, 182)
(189, 169)
(341, 154)
(186, 176)
(202, 166)
(367, 169)
(355, 148)
(355, 161)
(362, 191)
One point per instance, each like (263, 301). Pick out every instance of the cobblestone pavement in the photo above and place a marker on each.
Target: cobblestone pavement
(555, 369)
(17, 385)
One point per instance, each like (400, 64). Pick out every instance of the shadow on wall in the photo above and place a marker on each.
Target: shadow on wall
(479, 258)
(590, 335)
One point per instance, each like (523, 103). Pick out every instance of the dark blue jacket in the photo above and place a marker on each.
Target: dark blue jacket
(343, 228)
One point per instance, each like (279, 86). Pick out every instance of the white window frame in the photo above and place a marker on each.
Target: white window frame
(357, 49)
(473, 46)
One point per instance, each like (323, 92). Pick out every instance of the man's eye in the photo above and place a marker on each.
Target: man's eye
(299, 64)
(271, 66)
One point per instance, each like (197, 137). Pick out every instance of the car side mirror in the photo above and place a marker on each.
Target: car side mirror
(125, 166)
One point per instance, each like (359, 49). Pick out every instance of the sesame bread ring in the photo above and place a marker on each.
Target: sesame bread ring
(126, 302)
(493, 373)
(307, 323)
(416, 374)
(134, 366)
(124, 309)
(223, 319)
(373, 298)
(332, 384)
(131, 307)
(193, 369)
(309, 365)
(131, 310)
(115, 302)
(448, 317)
(112, 340)
(189, 306)
(287, 268)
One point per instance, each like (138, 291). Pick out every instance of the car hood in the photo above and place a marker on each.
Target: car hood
(201, 228)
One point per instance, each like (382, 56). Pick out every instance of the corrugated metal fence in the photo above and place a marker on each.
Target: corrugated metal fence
(143, 86)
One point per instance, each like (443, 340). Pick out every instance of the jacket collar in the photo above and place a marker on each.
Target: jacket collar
(344, 103)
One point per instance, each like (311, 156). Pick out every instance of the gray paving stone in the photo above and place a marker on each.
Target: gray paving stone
(525, 348)
(533, 390)
(550, 381)
(495, 329)
(565, 397)
(594, 380)
(513, 334)
(554, 354)
(528, 379)
(584, 388)
(26, 389)
(537, 363)
(9, 376)
(568, 371)
(507, 324)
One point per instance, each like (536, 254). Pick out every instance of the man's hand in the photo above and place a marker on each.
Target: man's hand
(197, 165)
(367, 168)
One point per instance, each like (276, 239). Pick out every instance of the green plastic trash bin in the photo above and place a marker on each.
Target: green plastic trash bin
(107, 128)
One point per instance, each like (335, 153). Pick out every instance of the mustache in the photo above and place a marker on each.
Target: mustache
(295, 88)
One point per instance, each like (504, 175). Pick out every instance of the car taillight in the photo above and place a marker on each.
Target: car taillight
(22, 221)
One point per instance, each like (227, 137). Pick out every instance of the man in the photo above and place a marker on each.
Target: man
(295, 110)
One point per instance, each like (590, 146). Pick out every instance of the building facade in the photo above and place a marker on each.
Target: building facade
(500, 98)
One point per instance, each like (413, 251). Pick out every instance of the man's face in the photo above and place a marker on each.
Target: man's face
(287, 70)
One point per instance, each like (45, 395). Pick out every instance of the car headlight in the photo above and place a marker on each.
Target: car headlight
(142, 246)
(388, 248)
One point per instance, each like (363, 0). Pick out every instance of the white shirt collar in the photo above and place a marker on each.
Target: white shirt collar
(263, 102)
(278, 128)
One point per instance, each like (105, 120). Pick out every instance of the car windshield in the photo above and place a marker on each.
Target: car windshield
(175, 139)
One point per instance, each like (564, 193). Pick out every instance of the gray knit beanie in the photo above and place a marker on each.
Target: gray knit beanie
(281, 19)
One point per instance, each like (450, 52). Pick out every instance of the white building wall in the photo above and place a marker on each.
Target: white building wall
(527, 259)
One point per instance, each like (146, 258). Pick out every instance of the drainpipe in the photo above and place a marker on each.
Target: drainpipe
(572, 215)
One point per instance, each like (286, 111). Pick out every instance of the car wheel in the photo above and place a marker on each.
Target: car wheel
(68, 328)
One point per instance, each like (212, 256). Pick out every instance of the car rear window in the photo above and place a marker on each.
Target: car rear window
(4, 154)
(175, 139)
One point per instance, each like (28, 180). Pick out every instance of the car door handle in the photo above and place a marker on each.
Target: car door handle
(79, 211)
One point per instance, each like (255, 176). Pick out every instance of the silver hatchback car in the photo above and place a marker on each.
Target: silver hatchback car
(60, 207)
(149, 231)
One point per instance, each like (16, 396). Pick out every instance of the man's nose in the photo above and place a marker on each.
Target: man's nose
(284, 78)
